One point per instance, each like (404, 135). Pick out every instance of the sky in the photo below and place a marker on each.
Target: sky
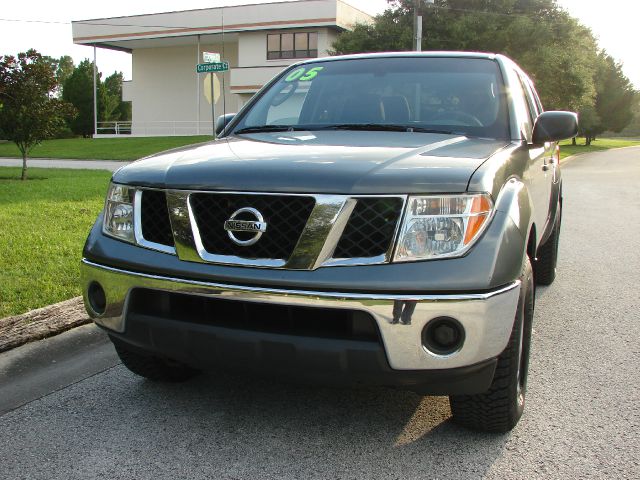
(613, 22)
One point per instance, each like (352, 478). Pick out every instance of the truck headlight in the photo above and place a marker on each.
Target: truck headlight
(441, 226)
(118, 213)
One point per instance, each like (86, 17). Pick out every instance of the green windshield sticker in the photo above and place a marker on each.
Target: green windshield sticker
(303, 75)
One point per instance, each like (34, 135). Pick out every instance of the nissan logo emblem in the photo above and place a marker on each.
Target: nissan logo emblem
(258, 226)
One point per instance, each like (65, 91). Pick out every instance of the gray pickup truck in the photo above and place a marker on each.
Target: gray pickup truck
(376, 219)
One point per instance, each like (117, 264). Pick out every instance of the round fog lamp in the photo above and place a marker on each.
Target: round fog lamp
(97, 298)
(443, 335)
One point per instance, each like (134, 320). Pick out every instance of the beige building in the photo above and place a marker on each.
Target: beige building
(168, 96)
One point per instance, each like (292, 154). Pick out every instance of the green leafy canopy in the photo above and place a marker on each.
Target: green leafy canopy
(560, 54)
(29, 113)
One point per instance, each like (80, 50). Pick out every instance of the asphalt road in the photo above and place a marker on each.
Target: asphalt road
(582, 419)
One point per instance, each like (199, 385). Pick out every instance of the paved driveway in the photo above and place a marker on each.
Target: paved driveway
(582, 418)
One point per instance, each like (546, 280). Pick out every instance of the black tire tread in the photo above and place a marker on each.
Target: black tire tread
(495, 410)
(547, 258)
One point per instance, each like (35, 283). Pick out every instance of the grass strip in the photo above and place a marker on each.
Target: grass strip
(598, 145)
(44, 222)
(102, 148)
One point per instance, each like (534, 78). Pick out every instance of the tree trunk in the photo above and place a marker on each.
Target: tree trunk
(573, 141)
(587, 140)
(24, 165)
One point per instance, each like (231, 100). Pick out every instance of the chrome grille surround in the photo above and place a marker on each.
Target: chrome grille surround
(314, 248)
(137, 222)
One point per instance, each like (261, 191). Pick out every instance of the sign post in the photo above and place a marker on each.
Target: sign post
(212, 67)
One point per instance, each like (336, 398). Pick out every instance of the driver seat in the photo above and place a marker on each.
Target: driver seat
(363, 108)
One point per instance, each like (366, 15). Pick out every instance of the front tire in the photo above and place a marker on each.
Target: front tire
(150, 366)
(499, 409)
(545, 266)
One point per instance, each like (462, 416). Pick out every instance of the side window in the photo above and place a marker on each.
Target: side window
(525, 115)
(536, 97)
(528, 93)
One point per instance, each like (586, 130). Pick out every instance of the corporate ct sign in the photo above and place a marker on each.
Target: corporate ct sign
(212, 67)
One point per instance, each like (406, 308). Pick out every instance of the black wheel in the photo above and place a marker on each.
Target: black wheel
(151, 366)
(545, 266)
(499, 408)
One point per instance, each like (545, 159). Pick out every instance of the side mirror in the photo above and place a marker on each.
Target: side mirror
(223, 121)
(555, 126)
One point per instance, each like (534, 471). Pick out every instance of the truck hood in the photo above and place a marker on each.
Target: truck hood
(343, 162)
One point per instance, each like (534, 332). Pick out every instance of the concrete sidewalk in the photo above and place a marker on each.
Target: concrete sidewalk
(64, 163)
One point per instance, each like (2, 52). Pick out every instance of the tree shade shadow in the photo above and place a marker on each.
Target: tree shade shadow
(388, 428)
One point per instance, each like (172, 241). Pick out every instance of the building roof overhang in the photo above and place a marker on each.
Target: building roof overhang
(184, 27)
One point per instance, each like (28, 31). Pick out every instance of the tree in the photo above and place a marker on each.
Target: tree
(78, 90)
(554, 48)
(28, 111)
(633, 129)
(590, 124)
(117, 110)
(614, 100)
(64, 69)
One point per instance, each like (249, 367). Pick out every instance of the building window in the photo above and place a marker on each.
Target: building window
(292, 45)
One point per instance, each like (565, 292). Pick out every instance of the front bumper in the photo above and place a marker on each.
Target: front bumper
(487, 317)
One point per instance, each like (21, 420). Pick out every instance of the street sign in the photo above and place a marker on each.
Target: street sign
(212, 67)
(211, 57)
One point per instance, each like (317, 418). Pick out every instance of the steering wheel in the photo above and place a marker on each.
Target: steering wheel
(462, 118)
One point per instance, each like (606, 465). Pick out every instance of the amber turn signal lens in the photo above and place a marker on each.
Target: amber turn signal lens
(480, 209)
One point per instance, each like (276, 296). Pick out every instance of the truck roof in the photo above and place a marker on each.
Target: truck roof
(429, 54)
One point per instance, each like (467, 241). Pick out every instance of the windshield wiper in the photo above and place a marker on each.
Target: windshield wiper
(432, 130)
(374, 127)
(382, 127)
(364, 126)
(267, 128)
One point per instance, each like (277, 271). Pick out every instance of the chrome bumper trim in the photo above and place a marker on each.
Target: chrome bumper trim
(487, 317)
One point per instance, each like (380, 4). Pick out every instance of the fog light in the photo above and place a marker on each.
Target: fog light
(443, 336)
(97, 298)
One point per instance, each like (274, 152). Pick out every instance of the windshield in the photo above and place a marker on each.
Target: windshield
(450, 95)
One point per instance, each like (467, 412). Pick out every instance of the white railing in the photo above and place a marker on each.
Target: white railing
(154, 129)
(114, 128)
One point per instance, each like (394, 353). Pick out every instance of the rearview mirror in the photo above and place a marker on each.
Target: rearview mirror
(555, 126)
(223, 121)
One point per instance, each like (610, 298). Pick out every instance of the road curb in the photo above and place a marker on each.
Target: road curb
(42, 323)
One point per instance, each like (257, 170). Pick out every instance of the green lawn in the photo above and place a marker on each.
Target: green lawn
(102, 148)
(137, 147)
(44, 222)
(566, 149)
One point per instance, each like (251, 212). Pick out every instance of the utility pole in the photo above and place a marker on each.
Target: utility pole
(95, 93)
(416, 18)
(417, 24)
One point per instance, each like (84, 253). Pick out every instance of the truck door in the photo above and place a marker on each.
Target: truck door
(539, 174)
